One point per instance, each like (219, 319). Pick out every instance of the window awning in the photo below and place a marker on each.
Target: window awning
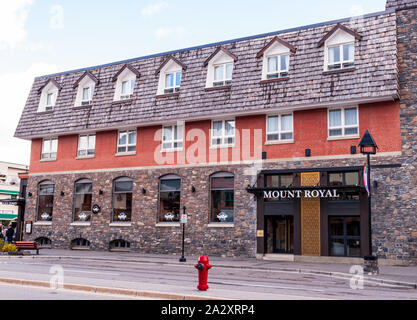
(8, 216)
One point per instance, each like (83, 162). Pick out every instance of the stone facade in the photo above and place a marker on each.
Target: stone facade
(143, 234)
(393, 209)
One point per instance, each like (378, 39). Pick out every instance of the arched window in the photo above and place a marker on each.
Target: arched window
(80, 244)
(83, 197)
(222, 197)
(119, 245)
(122, 200)
(169, 198)
(45, 200)
(44, 242)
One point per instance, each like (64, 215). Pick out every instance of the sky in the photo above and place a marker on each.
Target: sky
(39, 37)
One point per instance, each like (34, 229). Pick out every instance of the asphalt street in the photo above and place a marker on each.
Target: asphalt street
(177, 278)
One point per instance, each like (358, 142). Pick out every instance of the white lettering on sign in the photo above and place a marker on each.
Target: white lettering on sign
(296, 194)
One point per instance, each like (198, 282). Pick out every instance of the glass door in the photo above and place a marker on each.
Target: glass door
(284, 234)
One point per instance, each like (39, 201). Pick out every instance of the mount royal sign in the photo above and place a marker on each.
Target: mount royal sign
(297, 194)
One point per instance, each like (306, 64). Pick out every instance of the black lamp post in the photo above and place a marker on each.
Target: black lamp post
(183, 259)
(368, 147)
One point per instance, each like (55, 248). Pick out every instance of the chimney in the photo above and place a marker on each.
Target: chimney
(401, 4)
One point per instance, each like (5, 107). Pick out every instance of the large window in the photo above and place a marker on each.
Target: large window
(83, 197)
(345, 179)
(45, 201)
(344, 236)
(278, 181)
(122, 200)
(86, 145)
(343, 122)
(279, 128)
(278, 66)
(172, 139)
(223, 133)
(341, 56)
(223, 75)
(126, 142)
(222, 198)
(169, 198)
(49, 149)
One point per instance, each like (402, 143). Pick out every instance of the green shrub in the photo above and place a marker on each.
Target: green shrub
(9, 248)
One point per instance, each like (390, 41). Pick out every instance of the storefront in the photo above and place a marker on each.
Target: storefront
(314, 212)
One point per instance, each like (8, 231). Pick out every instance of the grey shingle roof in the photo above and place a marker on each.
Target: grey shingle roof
(375, 76)
(400, 4)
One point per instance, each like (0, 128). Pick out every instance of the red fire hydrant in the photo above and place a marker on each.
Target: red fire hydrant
(203, 267)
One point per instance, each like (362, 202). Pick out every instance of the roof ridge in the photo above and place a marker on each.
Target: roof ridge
(316, 25)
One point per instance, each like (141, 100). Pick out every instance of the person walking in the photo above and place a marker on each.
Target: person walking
(1, 232)
(10, 234)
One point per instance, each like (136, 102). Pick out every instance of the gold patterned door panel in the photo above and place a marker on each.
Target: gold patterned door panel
(310, 217)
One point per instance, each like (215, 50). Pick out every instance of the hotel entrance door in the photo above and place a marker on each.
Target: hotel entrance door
(283, 241)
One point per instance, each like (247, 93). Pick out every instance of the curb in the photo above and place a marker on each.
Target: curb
(399, 284)
(107, 290)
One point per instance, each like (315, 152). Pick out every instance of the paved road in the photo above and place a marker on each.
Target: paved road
(178, 278)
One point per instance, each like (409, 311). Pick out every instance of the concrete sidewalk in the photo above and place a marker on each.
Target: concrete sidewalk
(395, 275)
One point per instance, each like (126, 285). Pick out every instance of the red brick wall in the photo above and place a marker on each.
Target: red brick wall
(310, 131)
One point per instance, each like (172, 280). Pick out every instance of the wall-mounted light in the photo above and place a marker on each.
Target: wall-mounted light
(375, 184)
(62, 193)
(100, 192)
(308, 153)
(193, 189)
(30, 194)
(143, 191)
(264, 155)
(353, 150)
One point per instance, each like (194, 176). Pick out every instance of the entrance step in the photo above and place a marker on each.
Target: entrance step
(279, 257)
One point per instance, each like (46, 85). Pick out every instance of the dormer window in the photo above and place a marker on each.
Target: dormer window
(172, 82)
(339, 48)
(49, 94)
(223, 75)
(86, 85)
(127, 89)
(220, 67)
(50, 101)
(341, 57)
(276, 59)
(278, 66)
(125, 83)
(170, 76)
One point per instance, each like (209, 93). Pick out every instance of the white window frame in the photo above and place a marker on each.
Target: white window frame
(127, 145)
(131, 86)
(225, 81)
(86, 102)
(280, 73)
(223, 137)
(49, 158)
(173, 141)
(342, 127)
(342, 58)
(175, 88)
(86, 155)
(279, 132)
(51, 105)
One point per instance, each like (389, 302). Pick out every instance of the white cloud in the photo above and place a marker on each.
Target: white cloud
(154, 8)
(163, 32)
(13, 15)
(14, 90)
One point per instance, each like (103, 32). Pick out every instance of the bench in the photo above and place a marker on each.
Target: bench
(32, 245)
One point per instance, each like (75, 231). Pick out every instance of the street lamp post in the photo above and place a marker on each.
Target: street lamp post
(183, 222)
(368, 147)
